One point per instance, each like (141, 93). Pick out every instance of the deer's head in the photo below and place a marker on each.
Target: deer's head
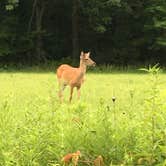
(85, 58)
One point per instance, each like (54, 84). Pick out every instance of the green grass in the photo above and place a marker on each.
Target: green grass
(36, 130)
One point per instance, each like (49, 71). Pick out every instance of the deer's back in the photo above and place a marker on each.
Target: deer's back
(67, 73)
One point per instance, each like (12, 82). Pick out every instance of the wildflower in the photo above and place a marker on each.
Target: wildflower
(113, 98)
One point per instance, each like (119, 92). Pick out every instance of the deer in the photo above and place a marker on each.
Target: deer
(73, 76)
(71, 157)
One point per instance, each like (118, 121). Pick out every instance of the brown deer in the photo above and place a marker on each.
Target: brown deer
(72, 76)
(71, 157)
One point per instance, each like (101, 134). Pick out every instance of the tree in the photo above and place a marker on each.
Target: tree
(155, 29)
(156, 21)
(38, 10)
(116, 31)
(75, 28)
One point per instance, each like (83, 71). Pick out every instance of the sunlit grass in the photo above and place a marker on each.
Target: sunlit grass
(35, 129)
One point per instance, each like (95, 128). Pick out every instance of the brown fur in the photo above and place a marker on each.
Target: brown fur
(71, 157)
(99, 161)
(72, 76)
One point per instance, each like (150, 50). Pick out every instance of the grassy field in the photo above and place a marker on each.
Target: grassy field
(36, 130)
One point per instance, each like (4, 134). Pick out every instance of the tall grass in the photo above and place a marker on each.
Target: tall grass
(120, 117)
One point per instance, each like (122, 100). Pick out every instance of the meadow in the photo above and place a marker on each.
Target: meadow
(120, 116)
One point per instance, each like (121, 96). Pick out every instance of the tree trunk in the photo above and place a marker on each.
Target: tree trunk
(75, 29)
(39, 17)
(32, 16)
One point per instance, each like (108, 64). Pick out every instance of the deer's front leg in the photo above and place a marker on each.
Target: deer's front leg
(83, 80)
(71, 93)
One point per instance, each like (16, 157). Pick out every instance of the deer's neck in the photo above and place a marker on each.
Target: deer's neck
(82, 68)
(82, 71)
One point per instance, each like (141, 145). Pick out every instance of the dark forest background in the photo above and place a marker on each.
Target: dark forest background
(119, 32)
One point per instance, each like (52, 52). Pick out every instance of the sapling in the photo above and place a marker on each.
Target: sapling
(154, 73)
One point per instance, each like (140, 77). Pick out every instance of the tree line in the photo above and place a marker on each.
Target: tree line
(115, 31)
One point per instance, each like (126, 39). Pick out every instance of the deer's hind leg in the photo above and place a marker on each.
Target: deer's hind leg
(62, 86)
(78, 92)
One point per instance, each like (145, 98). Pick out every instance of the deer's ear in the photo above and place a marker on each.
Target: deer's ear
(82, 54)
(88, 54)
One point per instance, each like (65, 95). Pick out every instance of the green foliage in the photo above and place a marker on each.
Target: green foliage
(11, 4)
(156, 14)
(153, 106)
(152, 70)
(116, 31)
(99, 13)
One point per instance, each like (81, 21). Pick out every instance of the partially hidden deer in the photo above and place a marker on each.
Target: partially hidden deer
(72, 76)
(71, 157)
